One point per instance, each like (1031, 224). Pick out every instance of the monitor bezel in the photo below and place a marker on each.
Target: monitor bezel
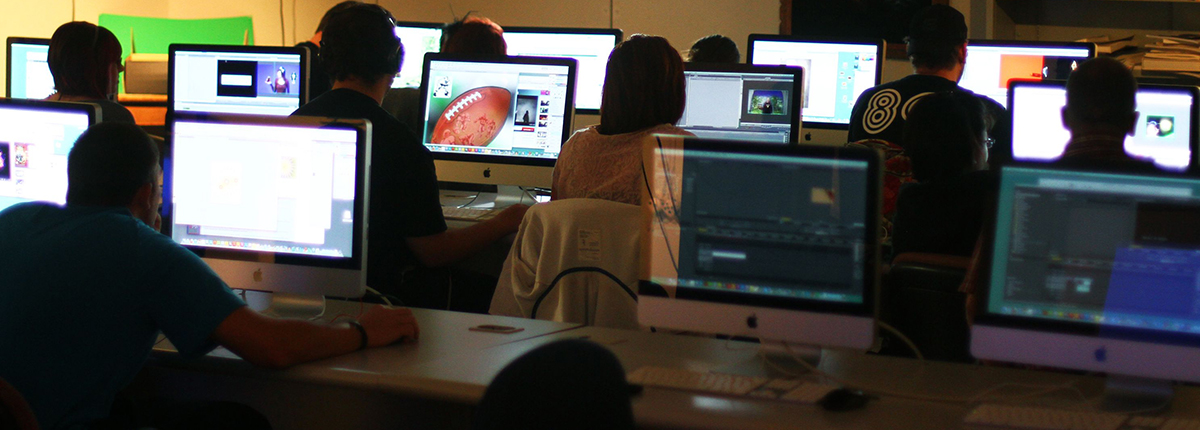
(14, 40)
(880, 47)
(568, 112)
(985, 318)
(1193, 136)
(1091, 47)
(305, 65)
(868, 306)
(361, 127)
(797, 73)
(618, 33)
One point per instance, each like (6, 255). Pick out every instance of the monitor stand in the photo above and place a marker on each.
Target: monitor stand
(774, 360)
(286, 305)
(503, 197)
(1131, 394)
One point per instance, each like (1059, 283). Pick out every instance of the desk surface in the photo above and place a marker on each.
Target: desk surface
(454, 365)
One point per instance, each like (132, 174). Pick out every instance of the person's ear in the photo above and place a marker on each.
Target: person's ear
(144, 205)
(1066, 119)
(1133, 121)
(962, 52)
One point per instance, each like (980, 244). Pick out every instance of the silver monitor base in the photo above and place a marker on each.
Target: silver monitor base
(505, 196)
(777, 361)
(1128, 394)
(286, 305)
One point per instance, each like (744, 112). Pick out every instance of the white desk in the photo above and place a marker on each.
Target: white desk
(434, 384)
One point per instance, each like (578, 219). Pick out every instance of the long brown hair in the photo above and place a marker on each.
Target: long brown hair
(643, 86)
(79, 58)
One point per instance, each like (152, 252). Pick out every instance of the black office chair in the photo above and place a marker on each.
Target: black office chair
(920, 299)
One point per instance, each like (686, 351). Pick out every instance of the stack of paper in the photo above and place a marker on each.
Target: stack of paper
(1172, 54)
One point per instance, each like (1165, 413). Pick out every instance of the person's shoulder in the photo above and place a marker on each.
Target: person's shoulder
(111, 111)
(26, 210)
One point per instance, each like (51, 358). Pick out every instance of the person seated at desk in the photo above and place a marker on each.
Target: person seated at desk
(714, 48)
(88, 286)
(85, 60)
(319, 82)
(643, 95)
(362, 54)
(945, 136)
(468, 36)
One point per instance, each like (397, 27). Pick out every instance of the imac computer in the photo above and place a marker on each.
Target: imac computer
(418, 39)
(257, 80)
(1097, 272)
(1164, 133)
(588, 46)
(35, 139)
(743, 102)
(796, 265)
(274, 204)
(992, 64)
(836, 72)
(497, 121)
(28, 72)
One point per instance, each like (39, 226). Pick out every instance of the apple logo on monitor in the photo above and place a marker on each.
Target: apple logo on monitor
(487, 173)
(752, 321)
(1101, 354)
(258, 275)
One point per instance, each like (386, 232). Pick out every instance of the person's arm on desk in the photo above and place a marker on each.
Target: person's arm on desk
(280, 343)
(455, 244)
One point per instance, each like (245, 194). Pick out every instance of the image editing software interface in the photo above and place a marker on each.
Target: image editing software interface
(589, 49)
(804, 241)
(1050, 263)
(34, 144)
(749, 106)
(259, 83)
(496, 108)
(418, 38)
(28, 72)
(285, 189)
(1164, 131)
(835, 74)
(990, 67)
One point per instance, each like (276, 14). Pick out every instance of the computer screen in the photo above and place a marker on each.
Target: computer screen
(1094, 271)
(514, 108)
(28, 73)
(742, 102)
(35, 139)
(418, 39)
(257, 80)
(835, 72)
(992, 64)
(1165, 132)
(803, 251)
(589, 48)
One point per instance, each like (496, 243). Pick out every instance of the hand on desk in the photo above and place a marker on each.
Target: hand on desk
(386, 326)
(510, 218)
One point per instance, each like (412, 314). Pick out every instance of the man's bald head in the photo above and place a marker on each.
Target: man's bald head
(1101, 92)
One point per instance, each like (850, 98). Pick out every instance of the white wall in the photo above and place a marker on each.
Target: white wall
(680, 21)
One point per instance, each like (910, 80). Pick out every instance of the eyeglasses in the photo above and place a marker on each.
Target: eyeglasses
(989, 142)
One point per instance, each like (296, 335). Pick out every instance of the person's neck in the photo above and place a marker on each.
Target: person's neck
(952, 74)
(60, 97)
(375, 90)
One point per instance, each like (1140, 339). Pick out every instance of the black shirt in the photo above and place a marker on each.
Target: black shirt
(879, 112)
(404, 200)
(318, 79)
(944, 216)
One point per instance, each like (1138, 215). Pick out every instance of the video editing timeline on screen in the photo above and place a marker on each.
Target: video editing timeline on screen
(805, 241)
(1143, 272)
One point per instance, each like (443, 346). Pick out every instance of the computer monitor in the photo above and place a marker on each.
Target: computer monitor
(795, 264)
(498, 121)
(836, 72)
(272, 203)
(35, 139)
(258, 80)
(1166, 131)
(1093, 271)
(991, 64)
(28, 72)
(418, 39)
(588, 46)
(743, 102)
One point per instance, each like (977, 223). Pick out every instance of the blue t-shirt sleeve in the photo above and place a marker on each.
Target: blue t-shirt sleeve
(187, 300)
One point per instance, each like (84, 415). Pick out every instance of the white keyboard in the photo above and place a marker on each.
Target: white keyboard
(790, 390)
(467, 214)
(1028, 417)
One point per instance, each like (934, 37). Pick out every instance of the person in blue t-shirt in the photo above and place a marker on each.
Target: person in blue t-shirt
(86, 288)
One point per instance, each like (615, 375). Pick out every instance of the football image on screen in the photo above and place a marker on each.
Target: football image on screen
(474, 118)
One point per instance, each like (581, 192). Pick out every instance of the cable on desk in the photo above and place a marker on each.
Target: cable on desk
(386, 301)
(916, 351)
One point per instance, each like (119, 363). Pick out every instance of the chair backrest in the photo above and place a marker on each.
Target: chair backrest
(15, 412)
(897, 171)
(921, 299)
(574, 260)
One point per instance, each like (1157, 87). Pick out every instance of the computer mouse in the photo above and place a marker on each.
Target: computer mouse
(843, 399)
